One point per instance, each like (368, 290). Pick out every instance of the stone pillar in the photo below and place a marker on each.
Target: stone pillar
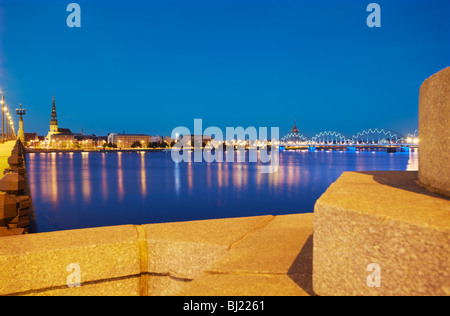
(379, 232)
(21, 134)
(434, 133)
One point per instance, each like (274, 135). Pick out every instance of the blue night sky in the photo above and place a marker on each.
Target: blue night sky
(149, 66)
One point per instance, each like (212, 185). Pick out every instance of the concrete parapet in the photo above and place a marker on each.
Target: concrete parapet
(379, 233)
(164, 259)
(434, 132)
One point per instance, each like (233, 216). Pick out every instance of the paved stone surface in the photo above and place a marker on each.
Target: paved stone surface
(275, 248)
(186, 249)
(165, 259)
(166, 285)
(128, 286)
(275, 259)
(387, 219)
(434, 132)
(248, 285)
(39, 261)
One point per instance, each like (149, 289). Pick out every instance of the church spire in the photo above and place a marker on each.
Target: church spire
(53, 115)
(53, 107)
(294, 129)
(53, 120)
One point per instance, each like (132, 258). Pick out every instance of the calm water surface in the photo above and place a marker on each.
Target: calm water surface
(79, 190)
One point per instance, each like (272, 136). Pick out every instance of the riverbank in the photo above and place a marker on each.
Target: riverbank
(35, 150)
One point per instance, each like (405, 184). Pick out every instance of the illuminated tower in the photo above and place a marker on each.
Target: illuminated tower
(53, 120)
(21, 135)
(294, 130)
(294, 136)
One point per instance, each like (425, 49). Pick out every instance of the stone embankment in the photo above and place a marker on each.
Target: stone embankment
(16, 206)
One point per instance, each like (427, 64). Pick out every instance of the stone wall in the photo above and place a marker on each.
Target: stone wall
(16, 206)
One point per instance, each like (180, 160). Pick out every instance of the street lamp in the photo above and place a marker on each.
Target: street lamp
(3, 118)
(6, 121)
(21, 135)
(9, 124)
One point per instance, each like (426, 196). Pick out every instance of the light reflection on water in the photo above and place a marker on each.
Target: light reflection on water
(78, 190)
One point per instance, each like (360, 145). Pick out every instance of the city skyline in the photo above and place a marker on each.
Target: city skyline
(149, 67)
(225, 148)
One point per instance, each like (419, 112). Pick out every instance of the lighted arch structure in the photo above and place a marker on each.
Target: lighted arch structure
(329, 137)
(377, 136)
(293, 138)
(412, 138)
(368, 136)
(414, 135)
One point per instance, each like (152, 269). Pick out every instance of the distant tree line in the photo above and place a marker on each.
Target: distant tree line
(109, 145)
(138, 144)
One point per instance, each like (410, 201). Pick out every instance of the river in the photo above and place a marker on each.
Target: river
(80, 190)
